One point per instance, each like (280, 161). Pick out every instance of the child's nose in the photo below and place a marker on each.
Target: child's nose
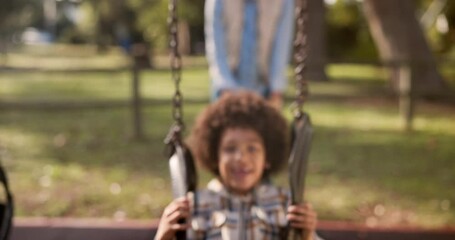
(239, 155)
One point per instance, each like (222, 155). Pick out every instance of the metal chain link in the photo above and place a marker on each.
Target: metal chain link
(176, 68)
(300, 57)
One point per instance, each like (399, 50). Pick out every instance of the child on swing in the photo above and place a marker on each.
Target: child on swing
(241, 140)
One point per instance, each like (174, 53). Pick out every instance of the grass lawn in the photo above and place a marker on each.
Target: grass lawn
(83, 163)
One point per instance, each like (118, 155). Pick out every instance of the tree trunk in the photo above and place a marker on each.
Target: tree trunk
(400, 39)
(317, 46)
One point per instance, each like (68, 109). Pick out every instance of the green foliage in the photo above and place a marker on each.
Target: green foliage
(348, 34)
(441, 42)
(449, 38)
(152, 21)
(152, 18)
(344, 14)
(86, 27)
(17, 14)
(144, 20)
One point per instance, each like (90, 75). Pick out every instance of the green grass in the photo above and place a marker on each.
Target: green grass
(83, 162)
(97, 86)
(64, 57)
(75, 162)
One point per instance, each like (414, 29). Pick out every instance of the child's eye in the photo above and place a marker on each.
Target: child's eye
(253, 149)
(229, 149)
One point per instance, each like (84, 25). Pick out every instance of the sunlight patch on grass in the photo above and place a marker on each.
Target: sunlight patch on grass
(66, 57)
(444, 125)
(100, 86)
(64, 63)
(61, 86)
(355, 71)
(159, 85)
(335, 89)
(359, 118)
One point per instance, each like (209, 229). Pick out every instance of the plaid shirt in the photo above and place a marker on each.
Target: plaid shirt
(221, 215)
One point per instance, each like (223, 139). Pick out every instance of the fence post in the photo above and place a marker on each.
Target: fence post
(141, 60)
(406, 99)
(136, 104)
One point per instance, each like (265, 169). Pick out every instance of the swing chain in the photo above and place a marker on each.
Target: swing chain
(300, 57)
(176, 69)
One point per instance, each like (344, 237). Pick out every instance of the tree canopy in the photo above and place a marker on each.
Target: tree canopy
(348, 34)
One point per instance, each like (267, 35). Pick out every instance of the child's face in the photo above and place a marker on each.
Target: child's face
(241, 157)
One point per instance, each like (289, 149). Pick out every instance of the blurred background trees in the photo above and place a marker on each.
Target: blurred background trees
(14, 17)
(105, 22)
(140, 28)
(400, 40)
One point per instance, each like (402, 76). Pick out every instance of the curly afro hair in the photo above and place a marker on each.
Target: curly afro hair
(245, 110)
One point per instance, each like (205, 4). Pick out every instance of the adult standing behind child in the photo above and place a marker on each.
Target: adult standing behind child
(241, 140)
(248, 45)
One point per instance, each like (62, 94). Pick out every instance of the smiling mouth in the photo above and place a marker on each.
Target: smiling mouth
(241, 172)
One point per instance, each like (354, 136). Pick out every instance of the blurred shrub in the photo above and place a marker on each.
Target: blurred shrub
(348, 34)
